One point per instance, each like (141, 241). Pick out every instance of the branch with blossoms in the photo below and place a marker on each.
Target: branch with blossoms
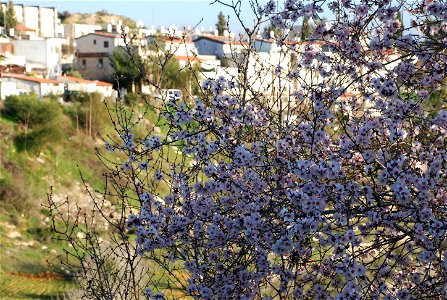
(319, 172)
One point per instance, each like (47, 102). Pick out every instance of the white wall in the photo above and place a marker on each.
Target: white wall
(31, 15)
(181, 49)
(46, 53)
(7, 88)
(264, 46)
(86, 44)
(24, 86)
(51, 88)
(47, 22)
(19, 13)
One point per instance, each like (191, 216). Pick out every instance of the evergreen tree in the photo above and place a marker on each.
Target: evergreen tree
(221, 24)
(271, 27)
(399, 18)
(8, 17)
(129, 70)
(305, 29)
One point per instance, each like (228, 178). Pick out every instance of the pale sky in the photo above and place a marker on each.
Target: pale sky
(179, 12)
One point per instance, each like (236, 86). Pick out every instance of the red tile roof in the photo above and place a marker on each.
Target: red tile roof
(107, 34)
(82, 80)
(24, 28)
(176, 40)
(103, 83)
(30, 78)
(100, 33)
(188, 58)
(349, 95)
(75, 79)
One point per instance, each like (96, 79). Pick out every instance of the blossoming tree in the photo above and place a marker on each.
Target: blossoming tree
(331, 186)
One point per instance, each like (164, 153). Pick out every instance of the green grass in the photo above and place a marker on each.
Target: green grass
(28, 176)
(17, 286)
(25, 271)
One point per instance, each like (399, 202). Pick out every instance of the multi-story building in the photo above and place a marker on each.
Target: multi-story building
(42, 56)
(93, 52)
(36, 20)
(73, 31)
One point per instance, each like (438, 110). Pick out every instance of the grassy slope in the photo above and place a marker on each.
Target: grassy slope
(26, 249)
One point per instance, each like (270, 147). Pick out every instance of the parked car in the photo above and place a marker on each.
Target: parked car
(168, 94)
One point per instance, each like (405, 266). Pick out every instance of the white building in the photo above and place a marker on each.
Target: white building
(220, 46)
(73, 31)
(93, 53)
(7, 88)
(88, 86)
(263, 45)
(42, 56)
(44, 20)
(13, 84)
(172, 45)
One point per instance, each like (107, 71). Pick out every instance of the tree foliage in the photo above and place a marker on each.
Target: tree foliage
(129, 68)
(42, 120)
(221, 24)
(329, 182)
(8, 17)
(305, 29)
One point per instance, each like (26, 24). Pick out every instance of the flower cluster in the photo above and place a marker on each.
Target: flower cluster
(326, 196)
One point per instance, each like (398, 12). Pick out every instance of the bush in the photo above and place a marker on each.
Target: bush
(43, 119)
(131, 99)
(37, 138)
(31, 111)
(88, 111)
(4, 186)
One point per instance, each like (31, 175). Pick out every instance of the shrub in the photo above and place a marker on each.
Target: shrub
(88, 111)
(37, 138)
(43, 120)
(131, 99)
(31, 111)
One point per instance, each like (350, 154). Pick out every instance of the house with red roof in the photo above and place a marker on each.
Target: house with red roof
(88, 86)
(94, 50)
(13, 84)
(25, 32)
(93, 53)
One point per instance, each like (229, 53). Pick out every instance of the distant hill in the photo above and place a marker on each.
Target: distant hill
(98, 18)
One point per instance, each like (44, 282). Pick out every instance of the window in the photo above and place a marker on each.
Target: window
(94, 42)
(325, 48)
(100, 63)
(106, 44)
(84, 64)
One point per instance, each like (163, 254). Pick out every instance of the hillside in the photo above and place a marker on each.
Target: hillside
(44, 147)
(50, 162)
(98, 18)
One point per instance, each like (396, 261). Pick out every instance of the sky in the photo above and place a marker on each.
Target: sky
(179, 12)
